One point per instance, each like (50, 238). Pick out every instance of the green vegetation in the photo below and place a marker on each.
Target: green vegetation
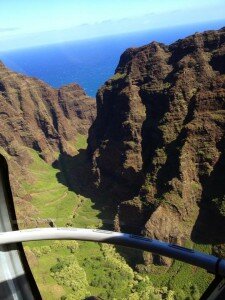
(4, 153)
(68, 273)
(218, 116)
(166, 85)
(118, 76)
(220, 205)
(52, 199)
(181, 276)
(81, 142)
(68, 270)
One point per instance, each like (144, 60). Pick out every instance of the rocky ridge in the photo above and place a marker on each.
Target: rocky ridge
(159, 136)
(37, 116)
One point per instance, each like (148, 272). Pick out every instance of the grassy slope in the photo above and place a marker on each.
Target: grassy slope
(54, 201)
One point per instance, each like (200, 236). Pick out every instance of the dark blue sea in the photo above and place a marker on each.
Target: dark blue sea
(91, 62)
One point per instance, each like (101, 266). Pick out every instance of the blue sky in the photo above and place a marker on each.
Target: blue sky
(27, 23)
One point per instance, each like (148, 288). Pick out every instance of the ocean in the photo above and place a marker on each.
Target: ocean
(90, 62)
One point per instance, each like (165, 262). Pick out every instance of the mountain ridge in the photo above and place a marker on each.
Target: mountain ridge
(39, 117)
(159, 134)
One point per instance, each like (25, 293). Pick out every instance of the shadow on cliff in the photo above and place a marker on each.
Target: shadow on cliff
(210, 224)
(75, 172)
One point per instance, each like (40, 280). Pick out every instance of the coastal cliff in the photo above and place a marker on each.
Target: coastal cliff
(159, 137)
(35, 116)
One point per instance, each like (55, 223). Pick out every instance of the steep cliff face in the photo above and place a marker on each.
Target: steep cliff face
(34, 115)
(159, 134)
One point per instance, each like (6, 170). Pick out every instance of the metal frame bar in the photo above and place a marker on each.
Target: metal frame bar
(208, 262)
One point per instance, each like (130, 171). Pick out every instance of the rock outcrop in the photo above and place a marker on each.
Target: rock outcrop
(160, 136)
(34, 115)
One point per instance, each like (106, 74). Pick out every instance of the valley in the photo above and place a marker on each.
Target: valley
(150, 162)
(93, 263)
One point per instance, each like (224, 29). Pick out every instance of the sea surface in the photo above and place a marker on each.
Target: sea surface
(90, 62)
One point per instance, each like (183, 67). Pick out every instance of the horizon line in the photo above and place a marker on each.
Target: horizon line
(111, 35)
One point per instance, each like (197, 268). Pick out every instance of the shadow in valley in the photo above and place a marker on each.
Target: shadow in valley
(75, 172)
